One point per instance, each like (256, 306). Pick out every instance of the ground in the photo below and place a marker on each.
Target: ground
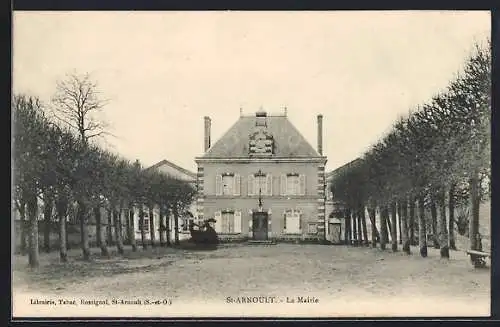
(347, 281)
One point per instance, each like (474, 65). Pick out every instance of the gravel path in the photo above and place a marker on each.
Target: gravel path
(347, 281)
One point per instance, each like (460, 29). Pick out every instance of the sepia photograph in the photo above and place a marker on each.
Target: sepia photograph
(254, 164)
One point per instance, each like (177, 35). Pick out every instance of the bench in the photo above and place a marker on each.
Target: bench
(477, 257)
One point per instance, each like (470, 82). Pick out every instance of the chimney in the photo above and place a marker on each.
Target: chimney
(320, 134)
(207, 133)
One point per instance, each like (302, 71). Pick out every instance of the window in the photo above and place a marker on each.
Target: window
(227, 184)
(228, 222)
(260, 181)
(145, 221)
(186, 222)
(292, 222)
(293, 184)
(312, 229)
(261, 184)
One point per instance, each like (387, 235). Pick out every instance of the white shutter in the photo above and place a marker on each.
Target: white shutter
(250, 224)
(269, 184)
(302, 184)
(237, 184)
(237, 221)
(251, 181)
(218, 185)
(297, 221)
(283, 184)
(218, 221)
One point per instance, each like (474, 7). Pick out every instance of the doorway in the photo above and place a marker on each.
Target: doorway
(259, 225)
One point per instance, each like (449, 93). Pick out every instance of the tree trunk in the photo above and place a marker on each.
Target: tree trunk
(47, 220)
(141, 226)
(434, 230)
(167, 226)
(161, 227)
(152, 227)
(383, 227)
(62, 210)
(411, 221)
(98, 230)
(347, 231)
(422, 230)
(33, 254)
(375, 234)
(354, 228)
(109, 229)
(131, 226)
(451, 217)
(404, 226)
(399, 224)
(127, 239)
(362, 216)
(84, 233)
(118, 229)
(360, 227)
(443, 231)
(474, 237)
(23, 225)
(176, 222)
(394, 231)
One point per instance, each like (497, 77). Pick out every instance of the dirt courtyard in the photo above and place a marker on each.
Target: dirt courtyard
(330, 281)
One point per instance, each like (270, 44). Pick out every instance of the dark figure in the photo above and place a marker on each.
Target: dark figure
(205, 235)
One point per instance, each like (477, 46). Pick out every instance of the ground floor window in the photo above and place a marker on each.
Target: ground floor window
(292, 222)
(145, 222)
(228, 221)
(312, 228)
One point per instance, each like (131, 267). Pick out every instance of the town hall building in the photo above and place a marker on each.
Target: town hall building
(262, 180)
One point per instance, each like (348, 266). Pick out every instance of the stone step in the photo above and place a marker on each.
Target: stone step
(263, 242)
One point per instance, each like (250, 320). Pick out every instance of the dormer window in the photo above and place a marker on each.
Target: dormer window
(260, 119)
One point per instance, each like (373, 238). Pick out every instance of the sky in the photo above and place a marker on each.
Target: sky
(163, 71)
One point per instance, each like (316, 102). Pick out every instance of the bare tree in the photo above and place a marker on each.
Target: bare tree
(78, 103)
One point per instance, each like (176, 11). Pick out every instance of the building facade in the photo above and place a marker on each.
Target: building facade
(262, 180)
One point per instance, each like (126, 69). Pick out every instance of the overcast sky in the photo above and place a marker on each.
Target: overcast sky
(164, 71)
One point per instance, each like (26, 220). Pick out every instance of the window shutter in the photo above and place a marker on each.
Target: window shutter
(298, 218)
(302, 184)
(218, 185)
(251, 184)
(283, 184)
(250, 224)
(269, 184)
(237, 221)
(218, 221)
(237, 184)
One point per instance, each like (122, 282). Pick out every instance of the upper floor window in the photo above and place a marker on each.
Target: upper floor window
(260, 182)
(293, 184)
(227, 184)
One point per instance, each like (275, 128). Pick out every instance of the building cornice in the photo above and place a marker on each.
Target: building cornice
(261, 160)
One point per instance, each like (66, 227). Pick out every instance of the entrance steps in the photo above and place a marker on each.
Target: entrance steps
(261, 242)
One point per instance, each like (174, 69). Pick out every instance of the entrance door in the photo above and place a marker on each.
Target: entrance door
(259, 226)
(334, 231)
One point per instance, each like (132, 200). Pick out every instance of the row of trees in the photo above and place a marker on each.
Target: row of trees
(55, 161)
(433, 159)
